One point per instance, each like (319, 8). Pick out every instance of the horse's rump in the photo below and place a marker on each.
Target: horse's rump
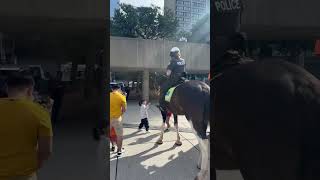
(262, 109)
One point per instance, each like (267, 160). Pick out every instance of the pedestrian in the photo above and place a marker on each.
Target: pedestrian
(127, 89)
(144, 107)
(57, 94)
(118, 106)
(26, 133)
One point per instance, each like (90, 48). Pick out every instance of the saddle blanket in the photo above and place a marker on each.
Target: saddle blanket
(169, 93)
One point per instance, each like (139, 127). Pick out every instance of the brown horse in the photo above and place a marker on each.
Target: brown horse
(266, 118)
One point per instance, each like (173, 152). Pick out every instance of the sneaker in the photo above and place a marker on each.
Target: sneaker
(120, 152)
(113, 148)
(167, 130)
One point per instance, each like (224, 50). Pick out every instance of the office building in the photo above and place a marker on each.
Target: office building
(188, 12)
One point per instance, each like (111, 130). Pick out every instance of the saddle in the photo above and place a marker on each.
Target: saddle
(168, 89)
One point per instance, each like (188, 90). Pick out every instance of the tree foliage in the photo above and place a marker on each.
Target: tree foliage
(144, 22)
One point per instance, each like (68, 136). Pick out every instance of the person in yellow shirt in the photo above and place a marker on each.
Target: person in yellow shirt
(118, 106)
(25, 132)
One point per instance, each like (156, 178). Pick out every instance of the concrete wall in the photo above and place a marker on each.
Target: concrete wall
(139, 54)
(53, 16)
(282, 13)
(286, 19)
(75, 9)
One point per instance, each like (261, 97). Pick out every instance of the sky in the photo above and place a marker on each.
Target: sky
(137, 3)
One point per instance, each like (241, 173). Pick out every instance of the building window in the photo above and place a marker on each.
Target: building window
(186, 8)
(186, 14)
(186, 3)
(179, 13)
(179, 8)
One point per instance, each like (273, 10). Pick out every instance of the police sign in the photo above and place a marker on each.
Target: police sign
(227, 5)
(227, 17)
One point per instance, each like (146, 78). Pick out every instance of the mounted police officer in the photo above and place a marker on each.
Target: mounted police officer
(177, 67)
(176, 73)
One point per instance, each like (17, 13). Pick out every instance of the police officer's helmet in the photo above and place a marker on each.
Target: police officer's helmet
(174, 51)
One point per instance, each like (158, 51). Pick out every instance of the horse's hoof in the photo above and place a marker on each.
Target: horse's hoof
(178, 143)
(159, 142)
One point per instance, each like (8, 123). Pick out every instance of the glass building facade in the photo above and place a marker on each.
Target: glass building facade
(188, 12)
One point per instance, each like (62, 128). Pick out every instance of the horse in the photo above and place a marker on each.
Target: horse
(192, 99)
(265, 118)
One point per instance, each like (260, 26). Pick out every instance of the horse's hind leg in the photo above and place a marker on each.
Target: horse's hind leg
(204, 149)
(178, 142)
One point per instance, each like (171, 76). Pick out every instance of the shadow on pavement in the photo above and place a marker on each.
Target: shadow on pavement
(175, 169)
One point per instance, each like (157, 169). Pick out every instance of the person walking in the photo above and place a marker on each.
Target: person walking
(144, 107)
(26, 132)
(118, 106)
(57, 94)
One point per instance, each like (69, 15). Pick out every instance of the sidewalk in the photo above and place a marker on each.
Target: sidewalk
(143, 159)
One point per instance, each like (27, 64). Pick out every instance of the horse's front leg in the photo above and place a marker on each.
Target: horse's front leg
(160, 140)
(178, 142)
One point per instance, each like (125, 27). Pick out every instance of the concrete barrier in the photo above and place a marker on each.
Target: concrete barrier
(140, 54)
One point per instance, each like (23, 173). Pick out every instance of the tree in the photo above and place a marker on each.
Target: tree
(124, 22)
(144, 22)
(168, 25)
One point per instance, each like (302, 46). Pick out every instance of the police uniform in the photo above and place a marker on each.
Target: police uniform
(177, 68)
(227, 20)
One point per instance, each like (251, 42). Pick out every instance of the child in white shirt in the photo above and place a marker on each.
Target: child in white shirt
(144, 107)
